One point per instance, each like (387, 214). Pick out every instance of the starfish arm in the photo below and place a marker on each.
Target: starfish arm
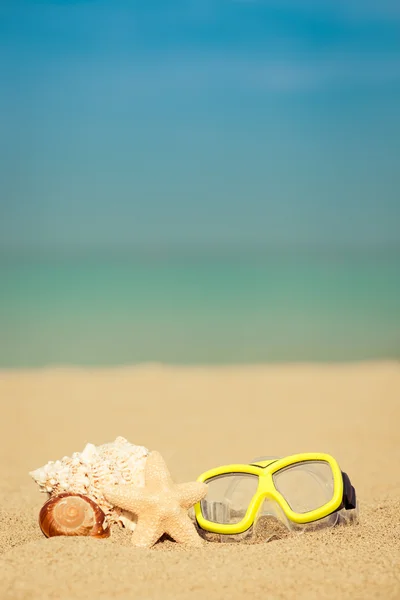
(183, 530)
(147, 532)
(190, 493)
(156, 471)
(127, 497)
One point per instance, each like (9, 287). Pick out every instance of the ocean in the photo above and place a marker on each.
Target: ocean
(124, 310)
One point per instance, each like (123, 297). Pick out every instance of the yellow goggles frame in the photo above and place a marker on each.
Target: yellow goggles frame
(264, 470)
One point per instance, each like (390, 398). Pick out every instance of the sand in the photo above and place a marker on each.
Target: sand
(199, 418)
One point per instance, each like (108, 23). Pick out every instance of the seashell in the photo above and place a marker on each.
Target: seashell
(73, 514)
(86, 473)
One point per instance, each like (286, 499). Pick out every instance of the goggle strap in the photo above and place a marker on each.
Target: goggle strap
(349, 493)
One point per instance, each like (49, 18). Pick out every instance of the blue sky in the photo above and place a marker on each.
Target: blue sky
(199, 122)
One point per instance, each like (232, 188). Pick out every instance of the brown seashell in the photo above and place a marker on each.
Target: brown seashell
(72, 514)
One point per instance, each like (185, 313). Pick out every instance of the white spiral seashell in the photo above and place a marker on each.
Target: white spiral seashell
(88, 472)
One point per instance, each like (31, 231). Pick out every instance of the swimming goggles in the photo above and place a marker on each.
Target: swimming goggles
(298, 490)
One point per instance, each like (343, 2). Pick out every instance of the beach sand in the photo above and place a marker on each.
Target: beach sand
(199, 418)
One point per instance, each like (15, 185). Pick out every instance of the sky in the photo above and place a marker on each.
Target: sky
(199, 123)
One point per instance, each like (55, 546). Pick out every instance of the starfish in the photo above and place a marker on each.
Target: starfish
(161, 506)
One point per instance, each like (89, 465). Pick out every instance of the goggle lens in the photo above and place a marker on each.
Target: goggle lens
(228, 497)
(305, 486)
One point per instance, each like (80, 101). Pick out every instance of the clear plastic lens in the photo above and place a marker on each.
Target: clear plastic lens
(228, 497)
(305, 486)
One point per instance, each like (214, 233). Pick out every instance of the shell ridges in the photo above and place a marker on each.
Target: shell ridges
(87, 472)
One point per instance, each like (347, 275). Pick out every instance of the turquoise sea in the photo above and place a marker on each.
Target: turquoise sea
(199, 309)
